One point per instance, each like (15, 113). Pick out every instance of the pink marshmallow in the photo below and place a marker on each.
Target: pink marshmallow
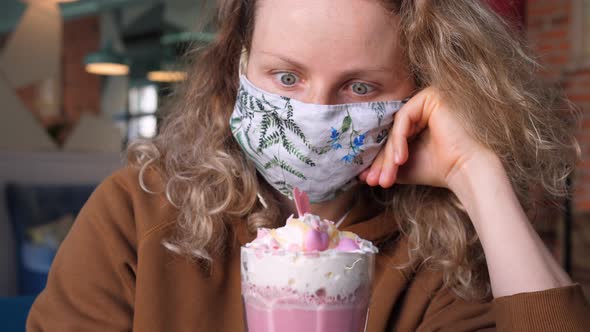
(347, 244)
(316, 241)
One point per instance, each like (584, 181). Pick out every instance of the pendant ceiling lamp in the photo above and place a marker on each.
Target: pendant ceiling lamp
(167, 76)
(169, 70)
(106, 62)
(109, 60)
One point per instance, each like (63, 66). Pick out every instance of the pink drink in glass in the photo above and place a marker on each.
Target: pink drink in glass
(299, 291)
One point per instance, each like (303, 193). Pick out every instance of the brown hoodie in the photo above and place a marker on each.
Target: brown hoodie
(112, 273)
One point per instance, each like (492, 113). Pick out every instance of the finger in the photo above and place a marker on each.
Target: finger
(375, 171)
(401, 133)
(391, 150)
(389, 167)
(363, 175)
(411, 120)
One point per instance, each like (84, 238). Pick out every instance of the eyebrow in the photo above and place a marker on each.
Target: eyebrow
(290, 61)
(352, 72)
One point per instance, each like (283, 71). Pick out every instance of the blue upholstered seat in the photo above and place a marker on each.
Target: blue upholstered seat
(13, 313)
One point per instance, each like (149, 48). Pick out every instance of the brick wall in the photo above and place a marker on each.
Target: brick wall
(80, 90)
(577, 85)
(548, 29)
(551, 32)
(513, 10)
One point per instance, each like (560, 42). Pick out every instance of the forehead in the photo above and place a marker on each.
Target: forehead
(327, 31)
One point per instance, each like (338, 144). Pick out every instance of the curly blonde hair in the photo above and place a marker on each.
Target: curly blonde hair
(460, 47)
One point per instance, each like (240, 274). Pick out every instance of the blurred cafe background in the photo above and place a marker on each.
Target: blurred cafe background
(79, 80)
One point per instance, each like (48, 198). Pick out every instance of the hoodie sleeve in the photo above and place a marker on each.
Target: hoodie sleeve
(92, 280)
(559, 309)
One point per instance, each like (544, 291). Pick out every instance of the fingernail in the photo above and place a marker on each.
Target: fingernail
(397, 158)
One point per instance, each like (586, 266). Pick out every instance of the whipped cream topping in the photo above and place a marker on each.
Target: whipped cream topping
(309, 234)
(331, 276)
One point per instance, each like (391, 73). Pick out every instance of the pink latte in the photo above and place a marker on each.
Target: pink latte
(273, 316)
(307, 276)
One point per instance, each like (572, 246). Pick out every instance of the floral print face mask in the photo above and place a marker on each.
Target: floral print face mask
(319, 149)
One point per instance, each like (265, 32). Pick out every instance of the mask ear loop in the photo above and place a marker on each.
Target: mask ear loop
(262, 201)
(343, 218)
(243, 62)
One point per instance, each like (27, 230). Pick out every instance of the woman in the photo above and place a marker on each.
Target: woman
(157, 245)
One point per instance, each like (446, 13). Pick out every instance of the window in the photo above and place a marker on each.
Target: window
(141, 117)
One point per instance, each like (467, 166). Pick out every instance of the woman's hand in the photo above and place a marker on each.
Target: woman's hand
(442, 153)
(439, 145)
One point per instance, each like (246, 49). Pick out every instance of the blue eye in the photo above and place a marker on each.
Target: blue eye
(287, 79)
(361, 89)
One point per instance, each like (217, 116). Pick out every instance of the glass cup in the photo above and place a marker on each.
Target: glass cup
(297, 291)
